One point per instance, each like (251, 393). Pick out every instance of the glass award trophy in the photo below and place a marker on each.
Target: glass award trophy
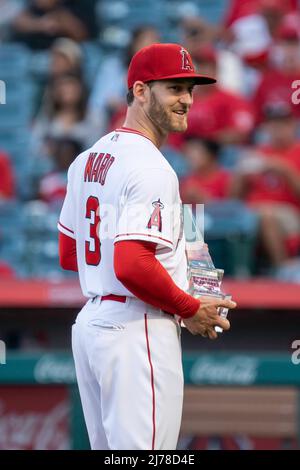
(204, 278)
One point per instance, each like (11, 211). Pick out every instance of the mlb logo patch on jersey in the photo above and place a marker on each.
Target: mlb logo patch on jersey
(115, 138)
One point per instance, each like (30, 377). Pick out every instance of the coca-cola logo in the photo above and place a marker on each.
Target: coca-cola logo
(34, 430)
(52, 369)
(240, 370)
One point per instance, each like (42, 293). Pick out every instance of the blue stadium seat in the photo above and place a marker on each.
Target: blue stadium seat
(93, 56)
(113, 11)
(231, 232)
(39, 64)
(12, 241)
(15, 141)
(229, 156)
(229, 217)
(40, 258)
(211, 10)
(133, 13)
(14, 61)
(176, 160)
(19, 100)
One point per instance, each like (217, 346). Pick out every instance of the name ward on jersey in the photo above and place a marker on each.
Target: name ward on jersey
(97, 167)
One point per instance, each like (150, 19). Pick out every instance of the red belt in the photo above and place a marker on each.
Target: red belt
(122, 299)
(116, 298)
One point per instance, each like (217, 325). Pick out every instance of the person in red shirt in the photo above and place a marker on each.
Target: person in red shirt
(7, 191)
(207, 180)
(7, 184)
(241, 8)
(216, 114)
(53, 185)
(278, 83)
(269, 180)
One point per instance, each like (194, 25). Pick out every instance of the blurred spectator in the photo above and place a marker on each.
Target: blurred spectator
(53, 185)
(6, 271)
(7, 184)
(239, 9)
(65, 57)
(290, 26)
(269, 180)
(242, 8)
(273, 11)
(276, 83)
(86, 11)
(207, 181)
(109, 91)
(9, 10)
(250, 40)
(216, 114)
(196, 32)
(64, 113)
(253, 27)
(40, 23)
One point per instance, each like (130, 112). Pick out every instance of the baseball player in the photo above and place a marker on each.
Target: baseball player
(121, 228)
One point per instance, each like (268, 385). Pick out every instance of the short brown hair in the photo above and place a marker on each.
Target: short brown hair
(130, 97)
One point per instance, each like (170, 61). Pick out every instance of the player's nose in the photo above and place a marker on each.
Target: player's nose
(186, 99)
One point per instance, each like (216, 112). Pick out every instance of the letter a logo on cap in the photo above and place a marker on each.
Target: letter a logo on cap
(186, 61)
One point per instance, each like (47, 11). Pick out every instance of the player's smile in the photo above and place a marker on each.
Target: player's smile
(180, 113)
(181, 118)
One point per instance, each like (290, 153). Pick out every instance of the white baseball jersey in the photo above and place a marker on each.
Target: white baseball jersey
(122, 188)
(127, 355)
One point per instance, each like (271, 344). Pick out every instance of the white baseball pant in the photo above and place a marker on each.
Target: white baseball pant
(129, 372)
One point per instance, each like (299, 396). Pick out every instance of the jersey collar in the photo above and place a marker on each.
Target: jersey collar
(133, 131)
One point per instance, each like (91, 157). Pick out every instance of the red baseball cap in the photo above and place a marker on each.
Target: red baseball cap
(162, 62)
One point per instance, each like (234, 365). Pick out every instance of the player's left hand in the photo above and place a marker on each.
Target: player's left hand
(207, 317)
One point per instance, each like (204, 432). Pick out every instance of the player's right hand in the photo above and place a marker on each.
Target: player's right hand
(207, 317)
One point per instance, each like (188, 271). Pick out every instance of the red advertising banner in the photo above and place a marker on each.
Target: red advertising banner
(252, 293)
(34, 418)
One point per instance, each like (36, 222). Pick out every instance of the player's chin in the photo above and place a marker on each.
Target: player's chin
(179, 126)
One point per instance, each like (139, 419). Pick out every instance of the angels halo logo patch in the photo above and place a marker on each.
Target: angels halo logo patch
(155, 218)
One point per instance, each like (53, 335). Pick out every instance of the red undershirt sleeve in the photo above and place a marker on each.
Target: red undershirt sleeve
(137, 268)
(67, 252)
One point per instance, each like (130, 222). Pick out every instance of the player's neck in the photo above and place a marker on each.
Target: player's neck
(146, 128)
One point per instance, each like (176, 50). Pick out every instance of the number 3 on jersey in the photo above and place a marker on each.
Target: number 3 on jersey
(92, 247)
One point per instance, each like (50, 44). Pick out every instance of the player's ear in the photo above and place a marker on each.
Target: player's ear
(140, 91)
